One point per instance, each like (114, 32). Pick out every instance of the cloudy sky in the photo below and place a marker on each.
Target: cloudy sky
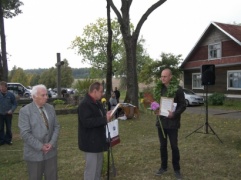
(47, 27)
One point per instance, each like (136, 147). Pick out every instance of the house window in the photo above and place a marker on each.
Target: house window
(196, 81)
(234, 80)
(214, 51)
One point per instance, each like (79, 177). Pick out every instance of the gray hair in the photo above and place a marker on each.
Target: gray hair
(36, 88)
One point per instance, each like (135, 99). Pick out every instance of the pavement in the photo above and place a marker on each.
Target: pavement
(231, 114)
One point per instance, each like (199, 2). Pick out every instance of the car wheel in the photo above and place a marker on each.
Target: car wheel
(187, 103)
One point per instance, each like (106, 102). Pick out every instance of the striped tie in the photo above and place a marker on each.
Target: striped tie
(45, 119)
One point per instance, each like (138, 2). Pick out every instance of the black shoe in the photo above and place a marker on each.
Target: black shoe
(178, 175)
(160, 172)
(10, 143)
(2, 143)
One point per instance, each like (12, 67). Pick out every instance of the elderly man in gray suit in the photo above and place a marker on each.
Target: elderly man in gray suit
(39, 130)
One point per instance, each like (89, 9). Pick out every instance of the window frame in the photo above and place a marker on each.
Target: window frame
(228, 79)
(217, 51)
(201, 86)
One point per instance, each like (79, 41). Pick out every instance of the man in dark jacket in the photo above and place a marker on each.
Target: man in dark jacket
(117, 94)
(170, 125)
(92, 120)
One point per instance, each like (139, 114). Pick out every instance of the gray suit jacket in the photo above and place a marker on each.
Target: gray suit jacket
(34, 132)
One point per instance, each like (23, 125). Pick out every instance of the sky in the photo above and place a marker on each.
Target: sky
(47, 27)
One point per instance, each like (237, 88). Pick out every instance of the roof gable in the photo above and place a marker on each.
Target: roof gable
(232, 31)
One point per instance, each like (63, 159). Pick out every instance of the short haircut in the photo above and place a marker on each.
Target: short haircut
(95, 85)
(168, 69)
(36, 88)
(3, 83)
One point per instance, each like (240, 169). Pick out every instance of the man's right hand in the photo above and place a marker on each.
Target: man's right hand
(108, 116)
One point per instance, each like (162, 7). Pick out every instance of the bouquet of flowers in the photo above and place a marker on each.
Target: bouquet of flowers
(155, 106)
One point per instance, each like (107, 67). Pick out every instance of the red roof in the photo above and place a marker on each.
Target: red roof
(230, 29)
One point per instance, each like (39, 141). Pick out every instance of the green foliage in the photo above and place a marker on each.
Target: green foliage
(171, 90)
(82, 86)
(97, 73)
(66, 75)
(11, 8)
(92, 43)
(34, 79)
(48, 78)
(92, 46)
(80, 73)
(58, 102)
(152, 70)
(18, 75)
(216, 99)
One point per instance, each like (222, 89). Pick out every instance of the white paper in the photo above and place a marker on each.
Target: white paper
(115, 109)
(166, 105)
(113, 128)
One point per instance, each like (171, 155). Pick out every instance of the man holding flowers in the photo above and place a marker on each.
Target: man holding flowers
(168, 126)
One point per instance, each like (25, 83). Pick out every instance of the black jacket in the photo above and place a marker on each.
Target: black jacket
(91, 126)
(174, 123)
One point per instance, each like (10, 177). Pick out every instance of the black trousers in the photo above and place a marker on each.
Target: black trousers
(6, 120)
(172, 134)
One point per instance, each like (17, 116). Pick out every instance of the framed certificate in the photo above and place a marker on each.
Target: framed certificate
(166, 105)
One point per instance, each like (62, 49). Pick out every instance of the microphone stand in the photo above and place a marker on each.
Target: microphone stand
(108, 153)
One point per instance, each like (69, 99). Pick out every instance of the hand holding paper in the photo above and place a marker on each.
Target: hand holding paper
(166, 106)
(115, 109)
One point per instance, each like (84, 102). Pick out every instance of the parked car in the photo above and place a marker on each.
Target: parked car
(192, 98)
(51, 93)
(19, 90)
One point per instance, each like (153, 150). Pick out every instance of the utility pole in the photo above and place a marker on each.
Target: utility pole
(58, 65)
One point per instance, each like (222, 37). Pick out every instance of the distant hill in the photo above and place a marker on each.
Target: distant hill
(78, 73)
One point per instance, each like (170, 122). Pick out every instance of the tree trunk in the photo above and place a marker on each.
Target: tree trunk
(109, 56)
(130, 42)
(3, 60)
(131, 83)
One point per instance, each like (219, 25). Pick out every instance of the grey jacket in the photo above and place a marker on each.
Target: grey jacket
(34, 132)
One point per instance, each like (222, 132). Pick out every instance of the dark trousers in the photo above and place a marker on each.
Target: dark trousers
(6, 120)
(172, 134)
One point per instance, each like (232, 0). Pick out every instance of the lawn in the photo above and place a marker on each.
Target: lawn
(137, 157)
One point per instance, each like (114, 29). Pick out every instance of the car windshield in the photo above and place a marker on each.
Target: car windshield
(186, 91)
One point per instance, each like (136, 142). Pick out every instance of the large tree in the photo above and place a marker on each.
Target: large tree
(130, 41)
(8, 9)
(92, 45)
(18, 75)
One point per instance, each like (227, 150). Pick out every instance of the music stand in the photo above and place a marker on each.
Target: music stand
(207, 125)
(110, 155)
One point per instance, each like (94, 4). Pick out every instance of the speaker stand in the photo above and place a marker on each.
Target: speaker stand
(206, 125)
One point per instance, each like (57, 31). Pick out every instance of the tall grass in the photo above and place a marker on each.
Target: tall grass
(137, 157)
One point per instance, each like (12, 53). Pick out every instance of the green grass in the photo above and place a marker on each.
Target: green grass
(137, 156)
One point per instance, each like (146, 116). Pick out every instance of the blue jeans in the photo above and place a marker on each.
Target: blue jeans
(6, 137)
(172, 134)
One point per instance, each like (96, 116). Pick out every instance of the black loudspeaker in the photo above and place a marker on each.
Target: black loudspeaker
(208, 74)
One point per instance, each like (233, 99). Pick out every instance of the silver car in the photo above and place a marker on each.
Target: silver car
(192, 98)
(19, 90)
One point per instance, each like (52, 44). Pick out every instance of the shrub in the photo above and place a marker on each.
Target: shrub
(216, 99)
(82, 86)
(58, 101)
